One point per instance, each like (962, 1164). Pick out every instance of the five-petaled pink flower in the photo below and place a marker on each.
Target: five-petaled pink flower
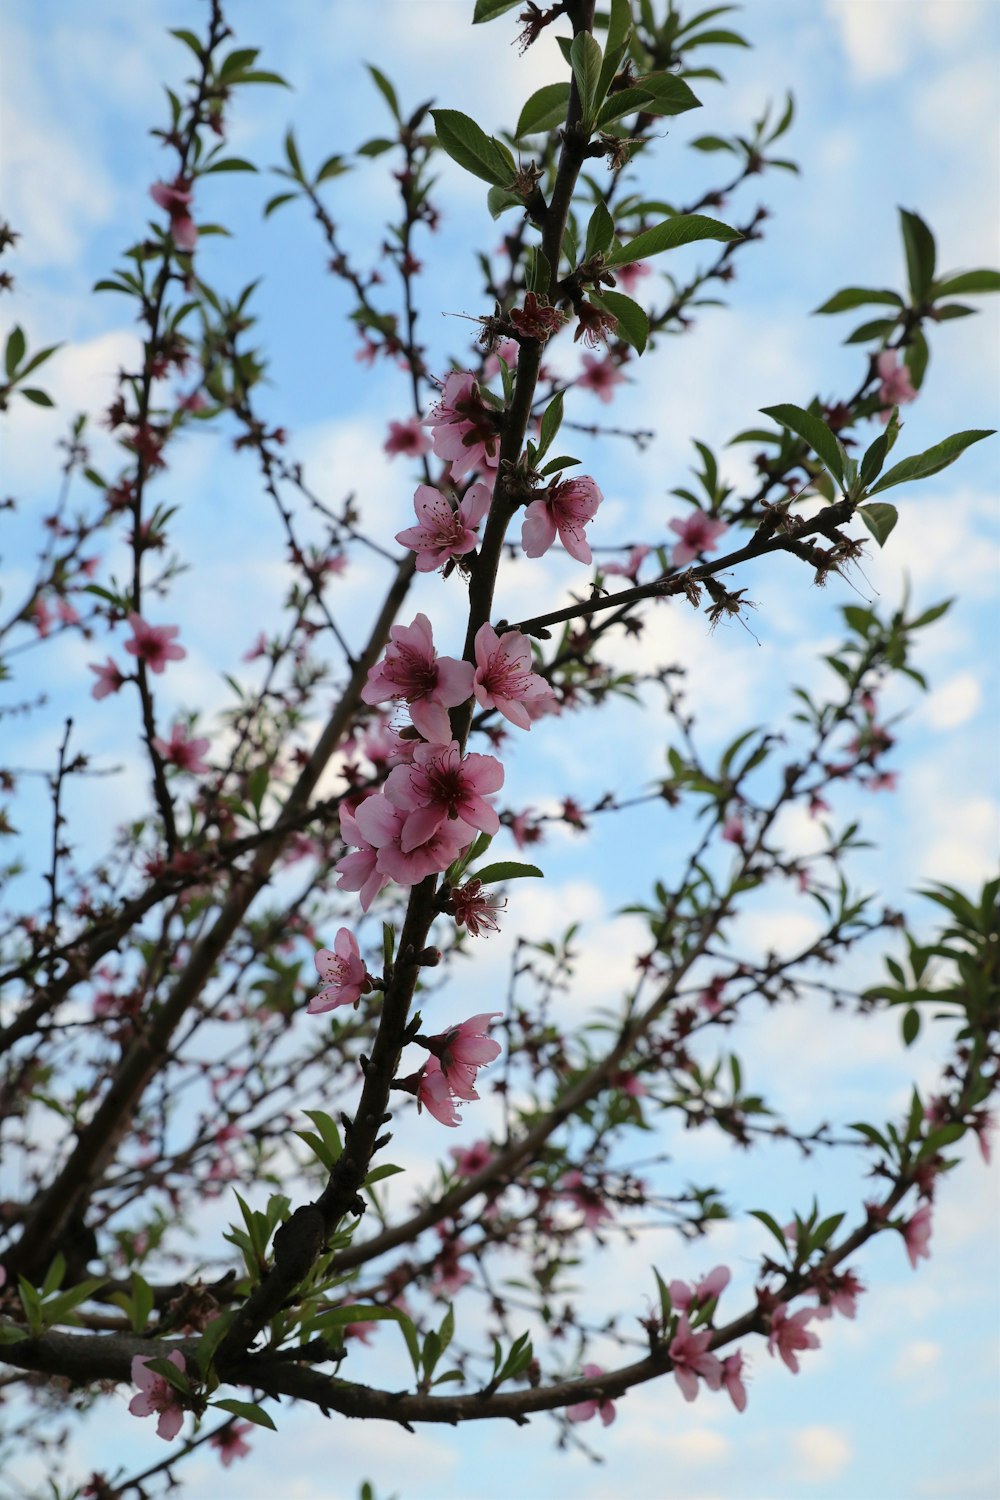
(435, 1095)
(732, 1379)
(464, 429)
(109, 678)
(566, 508)
(176, 198)
(472, 1159)
(442, 532)
(359, 871)
(381, 825)
(475, 909)
(343, 973)
(600, 376)
(917, 1235)
(896, 386)
(698, 533)
(430, 684)
(462, 1050)
(582, 1411)
(407, 437)
(630, 567)
(713, 1285)
(182, 752)
(154, 644)
(156, 1394)
(789, 1334)
(230, 1442)
(442, 785)
(504, 678)
(690, 1356)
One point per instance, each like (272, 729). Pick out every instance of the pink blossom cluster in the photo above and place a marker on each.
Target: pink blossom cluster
(449, 1074)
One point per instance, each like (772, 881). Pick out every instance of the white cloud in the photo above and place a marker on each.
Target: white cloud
(915, 1357)
(823, 1453)
(881, 38)
(954, 702)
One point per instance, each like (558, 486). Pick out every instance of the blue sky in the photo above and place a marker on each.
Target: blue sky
(895, 106)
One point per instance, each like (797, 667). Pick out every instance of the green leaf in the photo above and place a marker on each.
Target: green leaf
(633, 321)
(824, 443)
(15, 350)
(247, 1409)
(967, 281)
(387, 91)
(231, 164)
(880, 519)
(875, 455)
(332, 167)
(585, 59)
(499, 199)
(472, 148)
(488, 10)
(625, 102)
(711, 143)
(682, 229)
(292, 153)
(600, 231)
(918, 244)
(551, 422)
(668, 94)
(276, 202)
(932, 460)
(38, 398)
(877, 328)
(771, 1224)
(506, 869)
(911, 1025)
(857, 296)
(544, 110)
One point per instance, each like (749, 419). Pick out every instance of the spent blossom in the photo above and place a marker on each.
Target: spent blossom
(475, 909)
(442, 532)
(582, 1411)
(343, 972)
(156, 1394)
(154, 644)
(411, 669)
(698, 533)
(566, 508)
(504, 678)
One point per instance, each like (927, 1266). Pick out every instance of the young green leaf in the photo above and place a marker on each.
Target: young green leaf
(544, 110)
(488, 10)
(824, 443)
(600, 231)
(880, 519)
(387, 91)
(918, 245)
(682, 229)
(247, 1409)
(967, 281)
(506, 869)
(932, 460)
(585, 59)
(472, 148)
(857, 296)
(633, 321)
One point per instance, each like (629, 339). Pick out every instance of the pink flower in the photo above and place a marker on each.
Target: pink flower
(507, 350)
(462, 1050)
(709, 1287)
(711, 997)
(176, 198)
(586, 1197)
(733, 831)
(472, 1159)
(109, 679)
(896, 386)
(443, 785)
(67, 613)
(841, 1293)
(789, 1334)
(181, 752)
(983, 1126)
(464, 430)
(230, 1442)
(156, 1394)
(630, 567)
(434, 1095)
(343, 973)
(154, 644)
(917, 1235)
(564, 508)
(476, 911)
(732, 1379)
(444, 533)
(698, 533)
(41, 616)
(504, 678)
(411, 669)
(600, 376)
(628, 277)
(381, 825)
(582, 1411)
(359, 871)
(259, 648)
(407, 437)
(689, 1353)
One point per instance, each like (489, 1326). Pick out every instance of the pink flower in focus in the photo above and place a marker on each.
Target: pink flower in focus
(154, 644)
(430, 684)
(689, 1353)
(359, 871)
(917, 1235)
(630, 567)
(582, 1411)
(407, 437)
(789, 1334)
(732, 1379)
(176, 198)
(156, 1394)
(585, 1197)
(600, 376)
(464, 429)
(109, 679)
(698, 533)
(382, 825)
(183, 753)
(565, 508)
(443, 785)
(434, 1095)
(472, 1159)
(504, 678)
(443, 533)
(343, 974)
(230, 1442)
(462, 1050)
(476, 911)
(896, 386)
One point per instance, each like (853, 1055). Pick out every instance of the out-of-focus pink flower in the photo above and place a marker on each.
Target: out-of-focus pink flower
(443, 533)
(689, 1353)
(430, 684)
(732, 1379)
(628, 277)
(183, 753)
(698, 533)
(733, 831)
(68, 614)
(176, 197)
(194, 401)
(789, 1334)
(259, 648)
(504, 678)
(600, 375)
(524, 829)
(710, 998)
(917, 1235)
(507, 350)
(442, 785)
(343, 974)
(463, 1050)
(895, 386)
(41, 616)
(109, 679)
(359, 871)
(841, 1293)
(231, 1442)
(630, 567)
(983, 1125)
(586, 1197)
(154, 644)
(472, 1159)
(566, 508)
(464, 429)
(582, 1411)
(156, 1394)
(408, 438)
(381, 824)
(713, 1285)
(434, 1094)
